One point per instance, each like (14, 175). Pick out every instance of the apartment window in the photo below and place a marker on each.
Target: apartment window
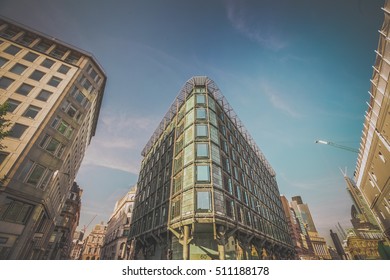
(27, 39)
(3, 61)
(202, 173)
(202, 150)
(37, 75)
(30, 56)
(94, 74)
(54, 81)
(230, 208)
(48, 63)
(203, 201)
(12, 105)
(80, 98)
(71, 111)
(44, 95)
(12, 50)
(17, 130)
(31, 112)
(15, 211)
(24, 89)
(5, 82)
(200, 99)
(62, 127)
(36, 174)
(18, 68)
(63, 69)
(3, 156)
(72, 58)
(10, 32)
(200, 113)
(201, 130)
(52, 146)
(42, 46)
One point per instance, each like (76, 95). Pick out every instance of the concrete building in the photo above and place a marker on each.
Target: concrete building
(339, 247)
(77, 245)
(54, 92)
(372, 175)
(318, 244)
(115, 245)
(60, 242)
(300, 237)
(94, 242)
(205, 190)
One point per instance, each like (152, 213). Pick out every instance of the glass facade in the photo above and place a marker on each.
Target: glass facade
(220, 187)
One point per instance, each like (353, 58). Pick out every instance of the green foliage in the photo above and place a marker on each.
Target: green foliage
(4, 123)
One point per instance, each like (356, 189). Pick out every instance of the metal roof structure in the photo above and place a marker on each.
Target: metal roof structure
(212, 89)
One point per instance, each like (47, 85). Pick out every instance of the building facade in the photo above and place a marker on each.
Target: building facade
(372, 175)
(54, 92)
(93, 243)
(205, 190)
(60, 242)
(115, 245)
(77, 245)
(317, 243)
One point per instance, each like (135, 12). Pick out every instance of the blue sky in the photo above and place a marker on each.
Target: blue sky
(294, 72)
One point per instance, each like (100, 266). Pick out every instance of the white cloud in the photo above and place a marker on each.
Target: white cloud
(240, 20)
(278, 101)
(119, 141)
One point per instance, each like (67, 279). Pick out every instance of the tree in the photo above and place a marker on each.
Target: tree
(4, 123)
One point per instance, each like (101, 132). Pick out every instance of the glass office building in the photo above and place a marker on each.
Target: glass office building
(205, 190)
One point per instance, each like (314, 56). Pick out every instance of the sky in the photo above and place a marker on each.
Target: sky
(294, 71)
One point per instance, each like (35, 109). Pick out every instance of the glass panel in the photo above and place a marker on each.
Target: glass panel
(18, 68)
(24, 89)
(36, 175)
(200, 113)
(48, 63)
(31, 112)
(37, 75)
(52, 146)
(12, 105)
(201, 130)
(12, 50)
(5, 82)
(44, 95)
(30, 57)
(200, 99)
(17, 130)
(203, 201)
(202, 150)
(203, 173)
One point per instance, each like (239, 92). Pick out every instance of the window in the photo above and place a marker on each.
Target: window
(18, 68)
(48, 63)
(5, 82)
(36, 174)
(200, 113)
(201, 130)
(203, 173)
(37, 75)
(3, 61)
(44, 95)
(15, 211)
(200, 99)
(42, 46)
(3, 156)
(24, 89)
(52, 146)
(17, 130)
(31, 112)
(202, 150)
(54, 81)
(71, 111)
(63, 69)
(26, 39)
(12, 105)
(12, 50)
(30, 57)
(203, 201)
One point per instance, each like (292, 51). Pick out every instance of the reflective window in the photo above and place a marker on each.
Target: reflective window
(54, 81)
(203, 173)
(3, 61)
(31, 112)
(201, 130)
(17, 130)
(200, 99)
(200, 113)
(37, 75)
(203, 201)
(12, 105)
(24, 89)
(48, 63)
(18, 68)
(44, 95)
(5, 82)
(12, 50)
(30, 56)
(202, 150)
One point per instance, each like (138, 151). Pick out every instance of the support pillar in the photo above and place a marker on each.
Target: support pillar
(186, 234)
